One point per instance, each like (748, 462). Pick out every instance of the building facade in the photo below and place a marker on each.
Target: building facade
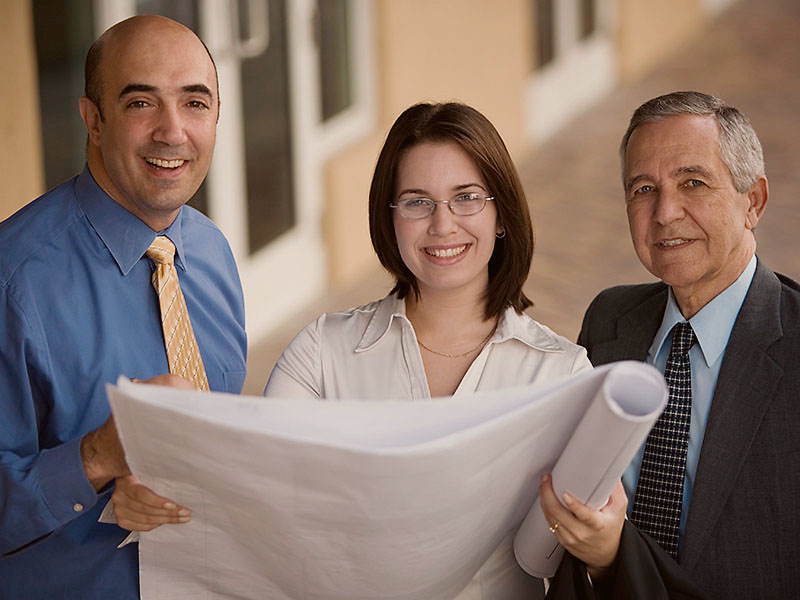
(308, 90)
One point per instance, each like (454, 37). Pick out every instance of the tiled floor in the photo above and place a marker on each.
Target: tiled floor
(750, 57)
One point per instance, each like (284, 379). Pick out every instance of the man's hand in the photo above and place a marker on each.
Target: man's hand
(101, 452)
(591, 535)
(169, 380)
(138, 508)
(102, 455)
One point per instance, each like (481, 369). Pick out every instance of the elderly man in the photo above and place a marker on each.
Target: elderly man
(715, 489)
(110, 274)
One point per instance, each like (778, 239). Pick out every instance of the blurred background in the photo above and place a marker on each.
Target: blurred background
(310, 87)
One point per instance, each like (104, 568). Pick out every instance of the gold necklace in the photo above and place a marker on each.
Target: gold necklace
(478, 347)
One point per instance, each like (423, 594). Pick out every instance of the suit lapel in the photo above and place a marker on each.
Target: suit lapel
(745, 386)
(635, 332)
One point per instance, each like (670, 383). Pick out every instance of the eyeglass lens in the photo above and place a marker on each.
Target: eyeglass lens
(462, 205)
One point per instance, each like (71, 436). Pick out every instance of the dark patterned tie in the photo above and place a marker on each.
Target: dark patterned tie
(659, 493)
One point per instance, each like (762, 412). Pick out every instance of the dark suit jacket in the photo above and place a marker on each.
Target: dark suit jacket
(742, 537)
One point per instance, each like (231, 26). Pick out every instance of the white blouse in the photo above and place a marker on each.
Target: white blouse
(371, 352)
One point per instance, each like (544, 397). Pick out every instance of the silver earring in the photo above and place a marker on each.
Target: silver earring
(500, 235)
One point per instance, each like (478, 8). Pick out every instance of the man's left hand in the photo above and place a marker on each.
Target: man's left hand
(138, 508)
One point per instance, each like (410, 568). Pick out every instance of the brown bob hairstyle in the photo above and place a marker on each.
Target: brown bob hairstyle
(455, 122)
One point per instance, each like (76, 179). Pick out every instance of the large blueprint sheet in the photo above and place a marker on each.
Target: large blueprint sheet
(349, 500)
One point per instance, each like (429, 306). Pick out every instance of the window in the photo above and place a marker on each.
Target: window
(573, 61)
(544, 44)
(333, 33)
(63, 32)
(587, 18)
(267, 118)
(559, 25)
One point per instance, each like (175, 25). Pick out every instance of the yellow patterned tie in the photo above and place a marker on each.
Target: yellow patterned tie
(183, 354)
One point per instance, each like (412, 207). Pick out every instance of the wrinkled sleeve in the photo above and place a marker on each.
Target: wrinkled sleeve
(42, 483)
(298, 372)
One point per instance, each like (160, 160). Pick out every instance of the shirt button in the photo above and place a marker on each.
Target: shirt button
(77, 507)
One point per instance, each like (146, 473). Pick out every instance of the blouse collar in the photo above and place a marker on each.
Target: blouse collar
(511, 325)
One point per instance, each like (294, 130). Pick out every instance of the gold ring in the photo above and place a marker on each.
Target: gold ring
(554, 526)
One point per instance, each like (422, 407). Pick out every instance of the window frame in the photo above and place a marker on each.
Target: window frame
(581, 71)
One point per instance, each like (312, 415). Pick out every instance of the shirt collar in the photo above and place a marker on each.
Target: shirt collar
(125, 235)
(511, 325)
(387, 309)
(713, 323)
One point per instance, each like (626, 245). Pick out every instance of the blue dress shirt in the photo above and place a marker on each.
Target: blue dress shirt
(77, 310)
(712, 326)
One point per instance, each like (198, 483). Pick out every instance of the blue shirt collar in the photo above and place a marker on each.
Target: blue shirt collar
(714, 323)
(125, 235)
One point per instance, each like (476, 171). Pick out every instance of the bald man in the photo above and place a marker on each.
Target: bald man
(77, 310)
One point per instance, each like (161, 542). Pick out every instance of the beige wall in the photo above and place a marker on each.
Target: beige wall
(21, 169)
(468, 50)
(345, 220)
(428, 50)
(651, 30)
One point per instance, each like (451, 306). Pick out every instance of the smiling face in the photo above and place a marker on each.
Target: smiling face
(689, 225)
(153, 147)
(444, 251)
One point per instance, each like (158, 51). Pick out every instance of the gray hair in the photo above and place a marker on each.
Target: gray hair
(739, 147)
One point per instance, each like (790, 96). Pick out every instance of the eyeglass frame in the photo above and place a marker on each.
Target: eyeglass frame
(433, 204)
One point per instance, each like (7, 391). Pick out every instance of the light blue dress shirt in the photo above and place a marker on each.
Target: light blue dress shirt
(712, 326)
(77, 310)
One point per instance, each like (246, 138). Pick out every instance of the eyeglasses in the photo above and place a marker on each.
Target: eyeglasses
(462, 205)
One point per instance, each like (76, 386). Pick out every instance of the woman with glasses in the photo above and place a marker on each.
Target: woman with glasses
(449, 220)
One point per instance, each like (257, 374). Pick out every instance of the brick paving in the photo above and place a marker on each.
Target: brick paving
(750, 56)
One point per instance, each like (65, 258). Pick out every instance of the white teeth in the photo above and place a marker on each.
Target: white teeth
(445, 252)
(676, 242)
(165, 164)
